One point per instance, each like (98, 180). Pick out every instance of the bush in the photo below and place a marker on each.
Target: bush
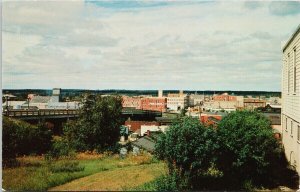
(21, 138)
(60, 148)
(171, 182)
(66, 166)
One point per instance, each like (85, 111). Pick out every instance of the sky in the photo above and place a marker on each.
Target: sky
(190, 45)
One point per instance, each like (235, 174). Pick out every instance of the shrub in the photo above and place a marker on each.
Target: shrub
(21, 138)
(66, 166)
(60, 148)
(171, 182)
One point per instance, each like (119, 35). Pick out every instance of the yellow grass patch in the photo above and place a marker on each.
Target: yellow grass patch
(88, 155)
(117, 179)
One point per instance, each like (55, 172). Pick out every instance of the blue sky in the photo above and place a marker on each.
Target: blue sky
(208, 45)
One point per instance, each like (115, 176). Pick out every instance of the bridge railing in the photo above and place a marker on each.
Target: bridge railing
(40, 112)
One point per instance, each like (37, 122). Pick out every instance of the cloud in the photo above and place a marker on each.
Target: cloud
(282, 8)
(143, 45)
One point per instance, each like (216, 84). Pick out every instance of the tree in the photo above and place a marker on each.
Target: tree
(189, 149)
(241, 153)
(98, 126)
(248, 149)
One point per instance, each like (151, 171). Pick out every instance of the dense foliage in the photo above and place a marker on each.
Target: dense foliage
(241, 153)
(189, 149)
(98, 126)
(21, 138)
(250, 155)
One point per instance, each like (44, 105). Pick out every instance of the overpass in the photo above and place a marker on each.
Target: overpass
(33, 114)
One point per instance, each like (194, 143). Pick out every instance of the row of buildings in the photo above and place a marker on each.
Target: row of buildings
(177, 101)
(40, 102)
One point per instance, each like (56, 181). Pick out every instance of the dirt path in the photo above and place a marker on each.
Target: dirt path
(117, 179)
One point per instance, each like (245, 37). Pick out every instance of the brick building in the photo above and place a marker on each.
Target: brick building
(154, 104)
(133, 102)
(136, 125)
(210, 119)
(224, 97)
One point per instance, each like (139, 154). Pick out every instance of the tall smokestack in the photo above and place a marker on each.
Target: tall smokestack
(160, 93)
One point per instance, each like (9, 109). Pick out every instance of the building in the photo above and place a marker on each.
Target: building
(154, 104)
(49, 102)
(152, 128)
(224, 97)
(196, 100)
(12, 104)
(176, 102)
(135, 126)
(252, 103)
(291, 99)
(213, 119)
(134, 102)
(274, 101)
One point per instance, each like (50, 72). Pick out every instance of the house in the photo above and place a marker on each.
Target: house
(290, 98)
(147, 142)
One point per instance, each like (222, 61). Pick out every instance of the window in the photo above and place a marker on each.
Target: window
(288, 73)
(294, 71)
(286, 124)
(298, 137)
(291, 128)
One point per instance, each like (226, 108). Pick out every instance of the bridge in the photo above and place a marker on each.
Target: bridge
(33, 114)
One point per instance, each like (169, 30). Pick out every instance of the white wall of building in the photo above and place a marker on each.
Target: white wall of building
(291, 100)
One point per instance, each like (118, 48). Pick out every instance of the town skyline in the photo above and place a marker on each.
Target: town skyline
(145, 45)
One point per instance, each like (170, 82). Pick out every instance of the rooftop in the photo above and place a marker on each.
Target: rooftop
(291, 38)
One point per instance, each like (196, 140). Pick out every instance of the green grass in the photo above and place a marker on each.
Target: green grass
(124, 178)
(148, 186)
(38, 174)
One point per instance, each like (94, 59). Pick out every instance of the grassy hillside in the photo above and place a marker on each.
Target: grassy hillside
(35, 173)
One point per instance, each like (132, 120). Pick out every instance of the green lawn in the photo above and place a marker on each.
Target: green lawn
(37, 174)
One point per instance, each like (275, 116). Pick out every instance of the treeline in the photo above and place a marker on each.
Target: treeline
(72, 93)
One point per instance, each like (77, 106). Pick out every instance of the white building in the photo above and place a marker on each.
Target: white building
(196, 100)
(176, 102)
(13, 104)
(291, 99)
(151, 128)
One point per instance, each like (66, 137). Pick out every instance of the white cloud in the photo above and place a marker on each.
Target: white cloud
(214, 45)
